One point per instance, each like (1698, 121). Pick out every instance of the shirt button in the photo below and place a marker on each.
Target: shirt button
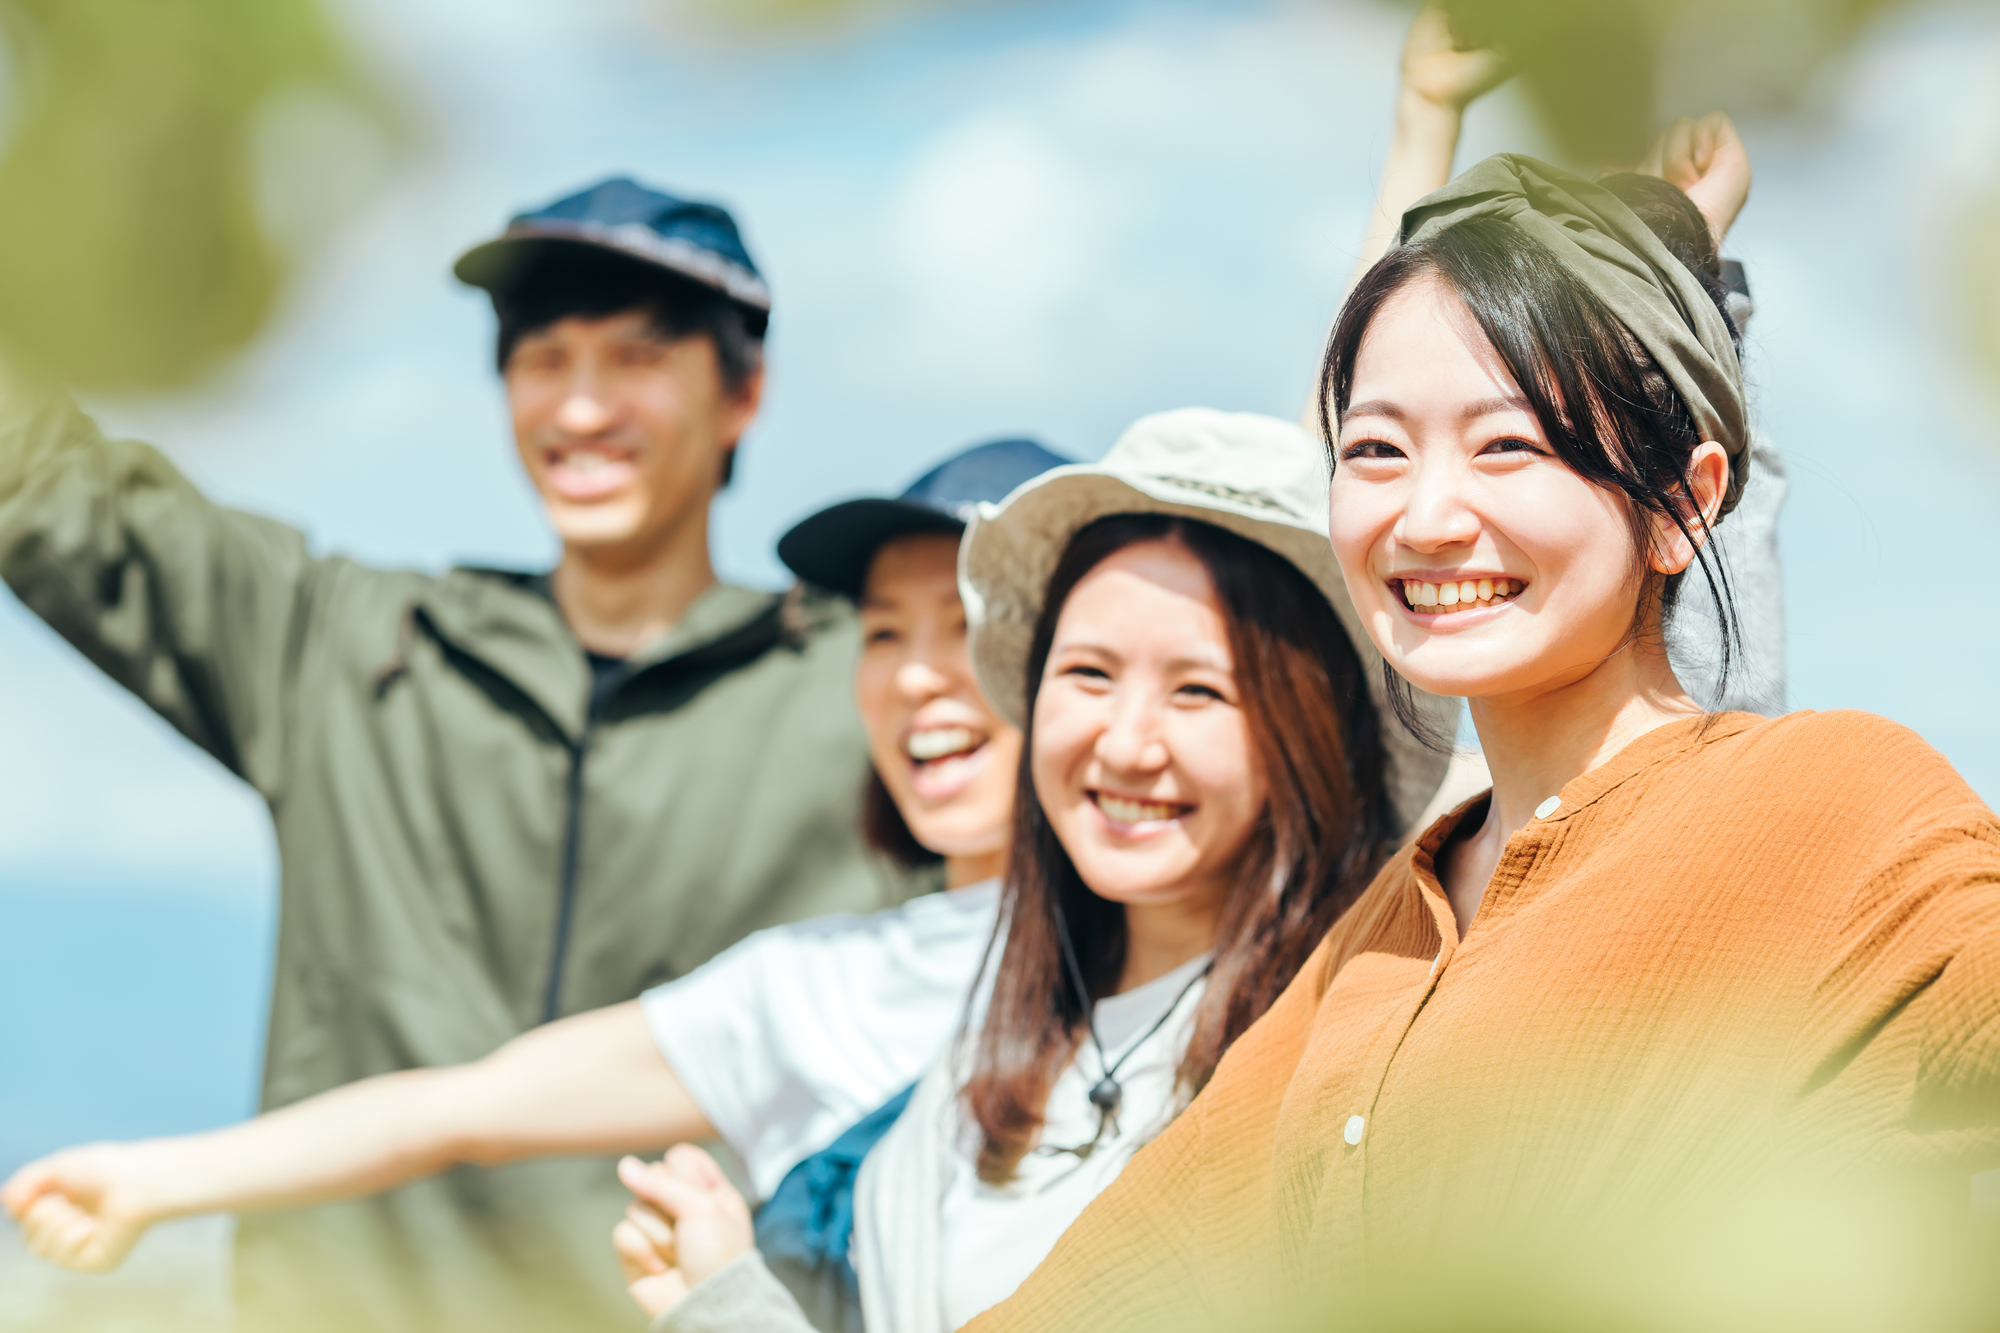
(1355, 1124)
(1548, 807)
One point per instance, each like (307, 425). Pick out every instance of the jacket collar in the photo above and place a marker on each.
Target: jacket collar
(509, 623)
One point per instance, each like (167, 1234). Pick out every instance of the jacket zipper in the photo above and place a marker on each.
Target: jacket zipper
(566, 891)
(572, 850)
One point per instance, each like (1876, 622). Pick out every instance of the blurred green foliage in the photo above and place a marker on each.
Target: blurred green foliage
(751, 16)
(134, 245)
(142, 238)
(1865, 1255)
(1605, 74)
(1982, 282)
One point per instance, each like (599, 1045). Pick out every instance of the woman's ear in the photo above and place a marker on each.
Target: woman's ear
(1707, 483)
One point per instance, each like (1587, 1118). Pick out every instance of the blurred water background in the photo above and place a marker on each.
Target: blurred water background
(1031, 217)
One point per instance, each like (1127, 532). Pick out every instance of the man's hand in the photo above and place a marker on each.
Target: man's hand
(84, 1207)
(1708, 161)
(687, 1224)
(1437, 71)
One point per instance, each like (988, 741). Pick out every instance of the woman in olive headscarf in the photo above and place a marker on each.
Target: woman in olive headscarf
(1672, 956)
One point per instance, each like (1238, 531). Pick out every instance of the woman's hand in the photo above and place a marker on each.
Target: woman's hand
(687, 1224)
(84, 1208)
(1436, 70)
(1707, 160)
(1438, 82)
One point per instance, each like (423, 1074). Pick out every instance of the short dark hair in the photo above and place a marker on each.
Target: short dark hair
(563, 279)
(1608, 410)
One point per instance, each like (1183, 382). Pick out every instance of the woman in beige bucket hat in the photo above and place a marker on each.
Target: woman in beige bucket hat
(1060, 1078)
(1210, 773)
(1258, 477)
(931, 1206)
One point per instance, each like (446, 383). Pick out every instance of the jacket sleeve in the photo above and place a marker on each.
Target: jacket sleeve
(193, 607)
(743, 1298)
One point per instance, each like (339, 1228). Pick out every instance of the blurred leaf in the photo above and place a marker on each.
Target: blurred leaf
(1589, 66)
(132, 249)
(1595, 69)
(1867, 1254)
(1981, 289)
(762, 18)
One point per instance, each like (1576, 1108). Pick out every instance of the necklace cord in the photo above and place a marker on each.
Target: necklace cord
(1107, 1109)
(1083, 999)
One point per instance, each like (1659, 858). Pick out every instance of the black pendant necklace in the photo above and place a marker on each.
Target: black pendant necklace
(1106, 1094)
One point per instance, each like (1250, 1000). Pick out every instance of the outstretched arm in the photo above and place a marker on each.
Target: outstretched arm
(1438, 82)
(200, 610)
(591, 1083)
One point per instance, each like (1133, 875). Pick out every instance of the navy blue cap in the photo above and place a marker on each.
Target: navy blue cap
(696, 239)
(834, 547)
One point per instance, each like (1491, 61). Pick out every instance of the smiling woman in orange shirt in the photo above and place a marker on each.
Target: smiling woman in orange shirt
(1670, 956)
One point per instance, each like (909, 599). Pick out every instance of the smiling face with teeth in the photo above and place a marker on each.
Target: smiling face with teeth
(948, 762)
(1483, 564)
(624, 432)
(1142, 757)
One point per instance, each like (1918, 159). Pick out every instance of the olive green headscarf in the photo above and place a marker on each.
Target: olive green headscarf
(1594, 235)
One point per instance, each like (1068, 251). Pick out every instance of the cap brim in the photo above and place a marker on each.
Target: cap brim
(1011, 551)
(496, 265)
(834, 547)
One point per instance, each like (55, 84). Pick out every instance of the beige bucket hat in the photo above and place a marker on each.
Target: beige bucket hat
(1261, 478)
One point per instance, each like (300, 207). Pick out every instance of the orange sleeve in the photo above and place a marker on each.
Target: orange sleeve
(1958, 1073)
(1902, 1033)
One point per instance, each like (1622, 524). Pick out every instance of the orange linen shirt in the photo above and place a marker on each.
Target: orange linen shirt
(1735, 949)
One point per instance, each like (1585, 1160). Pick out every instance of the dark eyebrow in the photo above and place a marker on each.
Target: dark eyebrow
(1483, 407)
(1187, 663)
(1179, 662)
(1089, 646)
(1374, 407)
(1478, 407)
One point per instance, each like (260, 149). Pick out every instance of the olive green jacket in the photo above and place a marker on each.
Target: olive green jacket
(468, 848)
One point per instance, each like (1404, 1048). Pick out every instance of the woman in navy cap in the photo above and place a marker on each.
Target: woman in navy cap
(776, 1046)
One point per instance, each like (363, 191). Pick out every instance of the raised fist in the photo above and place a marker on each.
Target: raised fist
(82, 1208)
(1707, 160)
(1436, 69)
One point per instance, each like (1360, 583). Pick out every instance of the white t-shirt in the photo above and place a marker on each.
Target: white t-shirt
(788, 1038)
(993, 1236)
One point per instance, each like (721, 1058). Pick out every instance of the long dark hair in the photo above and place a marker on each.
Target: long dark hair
(1325, 830)
(1609, 412)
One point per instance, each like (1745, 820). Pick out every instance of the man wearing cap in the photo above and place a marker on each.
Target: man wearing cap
(499, 798)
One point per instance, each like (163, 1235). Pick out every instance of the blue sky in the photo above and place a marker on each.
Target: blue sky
(1033, 217)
